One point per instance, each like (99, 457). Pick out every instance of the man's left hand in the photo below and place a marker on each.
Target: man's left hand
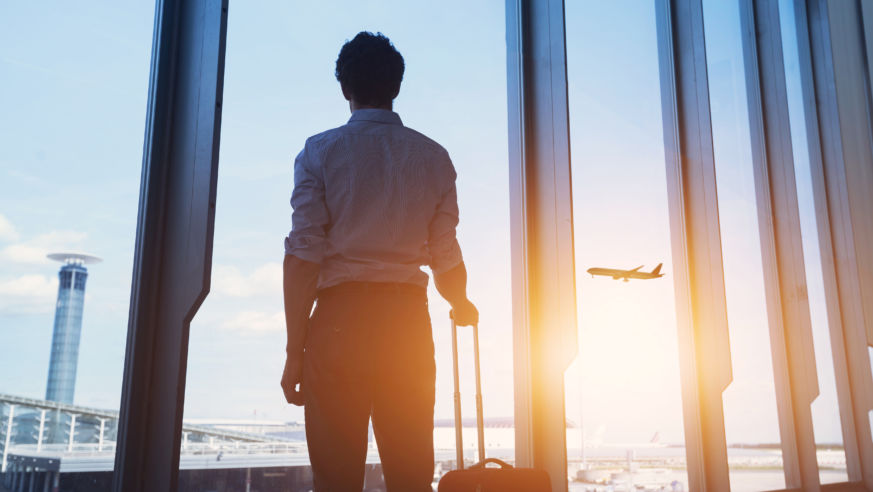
(292, 377)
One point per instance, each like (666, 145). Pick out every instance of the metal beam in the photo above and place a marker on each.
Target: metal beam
(701, 311)
(72, 432)
(105, 415)
(791, 342)
(53, 405)
(173, 256)
(8, 439)
(829, 278)
(835, 84)
(41, 430)
(100, 439)
(543, 271)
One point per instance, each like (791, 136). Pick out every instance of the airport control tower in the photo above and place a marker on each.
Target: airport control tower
(68, 325)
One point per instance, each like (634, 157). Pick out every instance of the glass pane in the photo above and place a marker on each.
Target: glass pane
(751, 424)
(279, 90)
(825, 409)
(72, 112)
(623, 391)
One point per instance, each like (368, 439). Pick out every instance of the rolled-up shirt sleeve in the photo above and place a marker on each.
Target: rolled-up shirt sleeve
(310, 217)
(442, 244)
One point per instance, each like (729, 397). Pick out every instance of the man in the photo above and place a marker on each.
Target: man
(373, 202)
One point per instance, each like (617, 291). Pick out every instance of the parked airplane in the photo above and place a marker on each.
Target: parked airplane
(654, 442)
(627, 274)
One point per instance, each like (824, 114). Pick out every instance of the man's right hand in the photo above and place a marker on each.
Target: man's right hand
(465, 313)
(452, 285)
(299, 280)
(292, 376)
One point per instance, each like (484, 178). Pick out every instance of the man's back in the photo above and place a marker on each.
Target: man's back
(387, 203)
(373, 202)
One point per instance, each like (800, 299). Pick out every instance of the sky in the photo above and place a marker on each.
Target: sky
(72, 114)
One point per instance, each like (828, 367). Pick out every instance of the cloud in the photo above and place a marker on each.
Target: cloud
(33, 251)
(254, 322)
(229, 281)
(7, 230)
(28, 294)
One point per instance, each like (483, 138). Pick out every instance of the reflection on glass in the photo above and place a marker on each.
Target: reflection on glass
(751, 423)
(72, 113)
(623, 391)
(280, 89)
(825, 409)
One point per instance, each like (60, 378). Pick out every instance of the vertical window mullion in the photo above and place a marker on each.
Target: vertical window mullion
(544, 291)
(705, 364)
(779, 225)
(836, 101)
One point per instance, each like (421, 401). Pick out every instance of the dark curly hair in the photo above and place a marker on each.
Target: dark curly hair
(370, 69)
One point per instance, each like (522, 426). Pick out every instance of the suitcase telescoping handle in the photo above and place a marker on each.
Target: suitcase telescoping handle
(480, 424)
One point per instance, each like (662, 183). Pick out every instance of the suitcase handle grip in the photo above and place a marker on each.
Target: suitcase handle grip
(502, 464)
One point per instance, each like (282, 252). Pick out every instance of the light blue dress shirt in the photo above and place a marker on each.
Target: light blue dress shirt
(374, 201)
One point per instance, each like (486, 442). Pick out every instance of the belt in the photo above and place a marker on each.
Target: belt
(372, 287)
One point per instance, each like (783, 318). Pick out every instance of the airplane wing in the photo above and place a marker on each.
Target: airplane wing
(635, 269)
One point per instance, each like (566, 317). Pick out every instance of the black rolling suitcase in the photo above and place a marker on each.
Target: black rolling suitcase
(480, 478)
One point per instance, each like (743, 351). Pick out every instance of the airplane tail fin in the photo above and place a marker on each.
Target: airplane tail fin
(657, 269)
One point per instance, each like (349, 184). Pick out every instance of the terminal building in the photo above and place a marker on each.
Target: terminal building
(214, 456)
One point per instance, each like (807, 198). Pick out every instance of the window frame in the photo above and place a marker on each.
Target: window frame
(172, 263)
(173, 255)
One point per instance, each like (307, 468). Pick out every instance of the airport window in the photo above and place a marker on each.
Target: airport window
(280, 89)
(624, 405)
(65, 279)
(750, 407)
(75, 85)
(79, 283)
(826, 418)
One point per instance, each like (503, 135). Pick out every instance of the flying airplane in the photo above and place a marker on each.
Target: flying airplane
(627, 274)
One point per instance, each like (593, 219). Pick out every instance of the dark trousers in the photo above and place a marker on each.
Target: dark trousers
(369, 354)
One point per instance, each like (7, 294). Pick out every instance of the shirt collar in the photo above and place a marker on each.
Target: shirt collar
(376, 115)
